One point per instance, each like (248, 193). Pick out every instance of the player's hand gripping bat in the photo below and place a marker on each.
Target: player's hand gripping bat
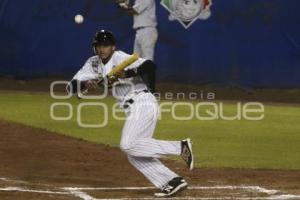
(117, 71)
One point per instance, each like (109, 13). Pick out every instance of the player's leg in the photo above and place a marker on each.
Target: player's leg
(148, 42)
(143, 128)
(137, 46)
(152, 148)
(137, 140)
(139, 128)
(153, 170)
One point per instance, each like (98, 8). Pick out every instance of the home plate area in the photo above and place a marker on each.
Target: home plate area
(38, 165)
(25, 189)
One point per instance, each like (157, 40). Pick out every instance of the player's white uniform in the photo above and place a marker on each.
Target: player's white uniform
(145, 23)
(143, 151)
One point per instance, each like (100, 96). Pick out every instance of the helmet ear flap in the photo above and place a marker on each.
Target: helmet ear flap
(94, 47)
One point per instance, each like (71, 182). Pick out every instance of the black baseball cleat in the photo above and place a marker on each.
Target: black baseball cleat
(186, 153)
(174, 186)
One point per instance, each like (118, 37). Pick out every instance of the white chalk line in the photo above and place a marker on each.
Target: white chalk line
(85, 196)
(81, 195)
(229, 187)
(19, 189)
(14, 181)
(78, 192)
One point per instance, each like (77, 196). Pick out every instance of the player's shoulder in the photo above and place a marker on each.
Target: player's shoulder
(92, 59)
(120, 55)
(91, 62)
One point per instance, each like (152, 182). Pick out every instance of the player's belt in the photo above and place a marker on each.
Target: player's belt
(128, 102)
(139, 28)
(142, 27)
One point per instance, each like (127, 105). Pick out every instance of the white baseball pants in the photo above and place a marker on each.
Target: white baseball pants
(143, 151)
(145, 41)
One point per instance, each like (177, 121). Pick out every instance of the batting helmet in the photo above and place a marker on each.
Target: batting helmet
(104, 37)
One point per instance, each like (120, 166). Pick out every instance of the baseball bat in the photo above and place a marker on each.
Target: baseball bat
(134, 57)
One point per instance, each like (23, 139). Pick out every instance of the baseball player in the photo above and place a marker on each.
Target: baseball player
(142, 110)
(144, 24)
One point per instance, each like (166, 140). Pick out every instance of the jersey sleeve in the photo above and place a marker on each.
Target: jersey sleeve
(141, 5)
(86, 72)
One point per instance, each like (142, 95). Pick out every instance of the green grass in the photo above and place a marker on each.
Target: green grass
(272, 143)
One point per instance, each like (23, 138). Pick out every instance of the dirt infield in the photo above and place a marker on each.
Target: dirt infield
(36, 164)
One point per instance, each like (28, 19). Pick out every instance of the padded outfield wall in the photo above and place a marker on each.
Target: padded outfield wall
(248, 43)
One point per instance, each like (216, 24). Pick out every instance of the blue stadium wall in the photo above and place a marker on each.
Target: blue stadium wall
(250, 43)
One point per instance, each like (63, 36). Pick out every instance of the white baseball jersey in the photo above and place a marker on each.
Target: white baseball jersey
(95, 69)
(146, 14)
(142, 150)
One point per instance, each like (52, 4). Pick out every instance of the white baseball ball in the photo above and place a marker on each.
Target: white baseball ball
(79, 19)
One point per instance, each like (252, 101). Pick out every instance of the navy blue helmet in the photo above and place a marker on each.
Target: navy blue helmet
(104, 37)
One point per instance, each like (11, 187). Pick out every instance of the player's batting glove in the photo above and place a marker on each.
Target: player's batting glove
(111, 80)
(121, 74)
